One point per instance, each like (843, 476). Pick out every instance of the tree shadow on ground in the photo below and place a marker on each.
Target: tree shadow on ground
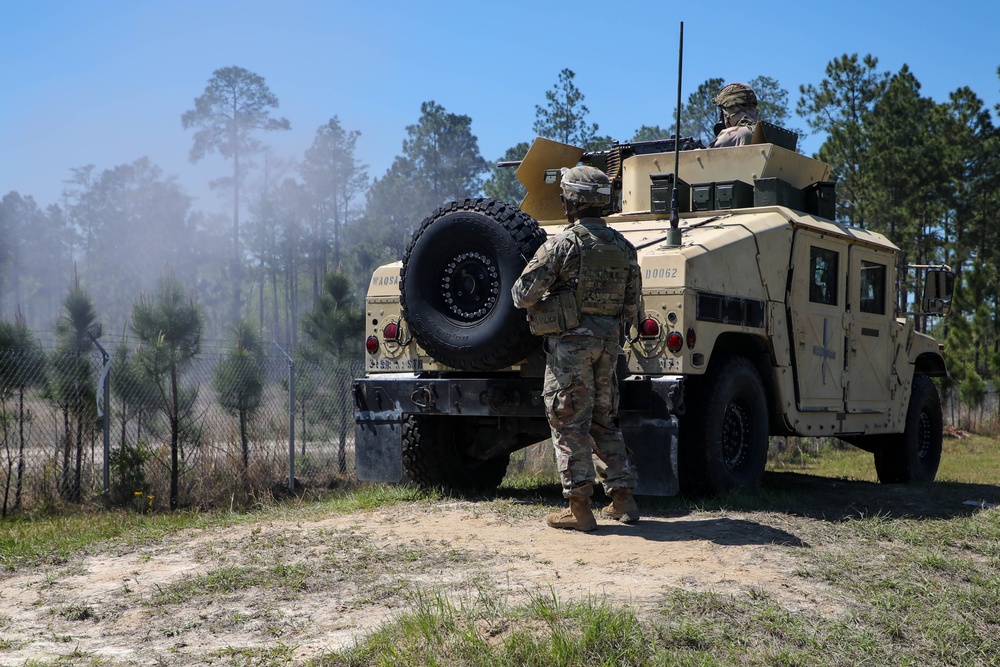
(835, 500)
(809, 496)
(722, 531)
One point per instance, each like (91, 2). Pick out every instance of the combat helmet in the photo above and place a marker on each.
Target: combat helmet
(735, 95)
(586, 185)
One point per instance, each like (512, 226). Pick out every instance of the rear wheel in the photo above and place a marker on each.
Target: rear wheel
(724, 433)
(436, 453)
(914, 455)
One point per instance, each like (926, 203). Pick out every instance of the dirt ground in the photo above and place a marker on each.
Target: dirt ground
(311, 586)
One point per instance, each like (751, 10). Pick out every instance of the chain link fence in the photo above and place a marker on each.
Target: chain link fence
(222, 430)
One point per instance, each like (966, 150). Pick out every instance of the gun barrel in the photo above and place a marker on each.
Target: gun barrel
(509, 163)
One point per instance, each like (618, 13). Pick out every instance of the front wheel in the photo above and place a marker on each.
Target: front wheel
(724, 434)
(914, 455)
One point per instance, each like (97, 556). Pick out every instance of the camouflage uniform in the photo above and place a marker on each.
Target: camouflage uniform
(580, 388)
(737, 104)
(740, 132)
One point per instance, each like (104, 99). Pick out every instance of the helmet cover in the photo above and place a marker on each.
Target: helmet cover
(736, 95)
(585, 184)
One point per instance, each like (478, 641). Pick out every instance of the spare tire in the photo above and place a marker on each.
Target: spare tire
(456, 279)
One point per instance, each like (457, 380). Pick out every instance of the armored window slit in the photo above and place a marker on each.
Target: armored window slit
(724, 309)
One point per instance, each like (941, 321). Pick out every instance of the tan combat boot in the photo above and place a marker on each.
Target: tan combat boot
(577, 517)
(622, 507)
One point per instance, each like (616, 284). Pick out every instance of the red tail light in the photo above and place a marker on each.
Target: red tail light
(371, 345)
(691, 338)
(675, 341)
(391, 331)
(649, 328)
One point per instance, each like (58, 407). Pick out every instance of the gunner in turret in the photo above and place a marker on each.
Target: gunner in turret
(737, 115)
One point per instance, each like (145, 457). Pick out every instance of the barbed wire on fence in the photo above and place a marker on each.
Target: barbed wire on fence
(52, 429)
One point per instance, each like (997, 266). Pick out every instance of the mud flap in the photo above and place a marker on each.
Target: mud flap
(652, 445)
(378, 445)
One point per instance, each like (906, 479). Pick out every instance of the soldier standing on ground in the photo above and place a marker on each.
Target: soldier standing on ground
(580, 288)
(737, 115)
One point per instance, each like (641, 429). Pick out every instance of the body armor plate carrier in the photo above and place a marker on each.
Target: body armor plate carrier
(603, 273)
(600, 285)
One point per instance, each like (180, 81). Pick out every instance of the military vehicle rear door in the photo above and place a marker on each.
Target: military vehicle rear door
(869, 318)
(816, 312)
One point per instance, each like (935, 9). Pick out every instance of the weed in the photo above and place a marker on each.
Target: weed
(230, 579)
(78, 613)
(271, 656)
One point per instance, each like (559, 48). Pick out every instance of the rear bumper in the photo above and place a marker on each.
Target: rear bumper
(502, 396)
(407, 393)
(648, 412)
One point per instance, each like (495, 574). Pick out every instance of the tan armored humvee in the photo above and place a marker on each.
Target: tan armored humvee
(762, 316)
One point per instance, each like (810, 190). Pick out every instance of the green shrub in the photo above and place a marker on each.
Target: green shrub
(128, 474)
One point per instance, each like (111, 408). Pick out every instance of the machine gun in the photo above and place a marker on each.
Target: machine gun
(610, 161)
(620, 151)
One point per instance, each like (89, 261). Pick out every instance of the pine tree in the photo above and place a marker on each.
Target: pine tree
(236, 103)
(839, 107)
(169, 325)
(336, 326)
(502, 183)
(22, 365)
(71, 382)
(239, 381)
(564, 116)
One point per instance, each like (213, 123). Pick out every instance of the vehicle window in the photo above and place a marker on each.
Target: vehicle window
(872, 288)
(823, 275)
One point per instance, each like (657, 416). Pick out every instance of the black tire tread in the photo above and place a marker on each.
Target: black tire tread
(528, 237)
(430, 459)
(702, 471)
(897, 459)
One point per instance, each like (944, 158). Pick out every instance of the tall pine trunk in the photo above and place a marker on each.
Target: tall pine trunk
(174, 440)
(237, 261)
(65, 482)
(78, 464)
(245, 444)
(274, 306)
(20, 450)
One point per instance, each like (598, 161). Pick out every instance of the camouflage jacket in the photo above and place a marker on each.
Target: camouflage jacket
(739, 130)
(556, 267)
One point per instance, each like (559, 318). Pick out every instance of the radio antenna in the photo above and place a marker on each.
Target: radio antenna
(674, 234)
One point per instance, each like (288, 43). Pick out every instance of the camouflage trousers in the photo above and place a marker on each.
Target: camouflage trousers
(581, 402)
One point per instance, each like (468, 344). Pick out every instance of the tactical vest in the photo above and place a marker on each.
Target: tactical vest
(603, 273)
(600, 286)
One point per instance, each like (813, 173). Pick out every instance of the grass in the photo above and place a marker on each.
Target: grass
(913, 592)
(31, 540)
(322, 561)
(252, 657)
(916, 569)
(487, 632)
(702, 629)
(971, 460)
(51, 539)
(230, 579)
(913, 573)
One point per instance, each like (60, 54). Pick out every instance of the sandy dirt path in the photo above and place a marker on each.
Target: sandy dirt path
(316, 585)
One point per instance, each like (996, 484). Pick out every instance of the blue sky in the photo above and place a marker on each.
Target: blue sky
(106, 82)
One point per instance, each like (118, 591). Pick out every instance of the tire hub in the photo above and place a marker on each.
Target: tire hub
(736, 427)
(470, 285)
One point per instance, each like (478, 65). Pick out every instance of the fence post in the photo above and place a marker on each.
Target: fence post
(104, 391)
(291, 419)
